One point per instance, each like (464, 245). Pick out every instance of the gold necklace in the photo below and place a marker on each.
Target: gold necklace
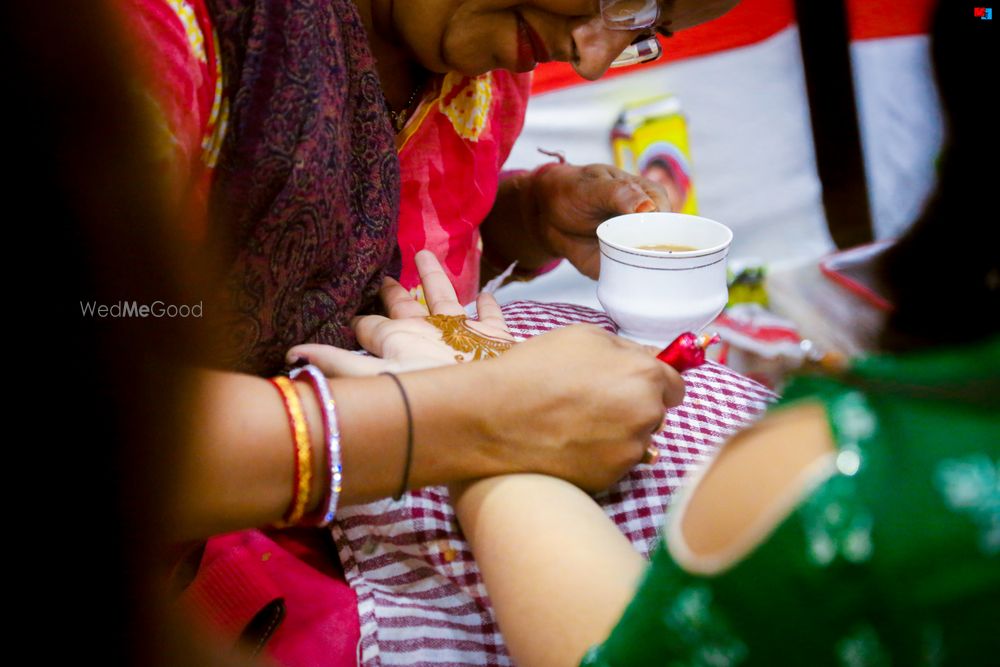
(399, 117)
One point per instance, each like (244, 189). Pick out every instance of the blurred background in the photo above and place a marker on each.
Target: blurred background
(803, 126)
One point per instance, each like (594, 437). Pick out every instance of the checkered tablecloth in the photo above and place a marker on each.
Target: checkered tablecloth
(421, 599)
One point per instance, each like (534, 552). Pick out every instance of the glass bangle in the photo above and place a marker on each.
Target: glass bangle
(331, 431)
(302, 476)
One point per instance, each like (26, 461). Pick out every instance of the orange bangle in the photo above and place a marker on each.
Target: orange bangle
(302, 471)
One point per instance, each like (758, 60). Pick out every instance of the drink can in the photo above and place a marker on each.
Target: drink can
(650, 138)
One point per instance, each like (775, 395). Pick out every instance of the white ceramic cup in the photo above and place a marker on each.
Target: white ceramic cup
(652, 295)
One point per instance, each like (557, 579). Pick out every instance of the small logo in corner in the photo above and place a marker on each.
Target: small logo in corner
(984, 13)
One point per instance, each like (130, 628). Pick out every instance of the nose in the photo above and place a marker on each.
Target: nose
(597, 47)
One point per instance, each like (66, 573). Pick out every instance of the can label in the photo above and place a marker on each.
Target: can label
(650, 138)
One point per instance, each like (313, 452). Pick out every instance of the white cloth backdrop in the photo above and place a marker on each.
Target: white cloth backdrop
(901, 127)
(751, 143)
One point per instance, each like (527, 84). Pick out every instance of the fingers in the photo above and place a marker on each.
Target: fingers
(620, 192)
(628, 193)
(337, 362)
(673, 389)
(438, 290)
(656, 193)
(366, 329)
(398, 301)
(489, 312)
(583, 253)
(627, 196)
(673, 383)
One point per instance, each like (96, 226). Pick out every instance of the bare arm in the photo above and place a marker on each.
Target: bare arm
(558, 571)
(537, 408)
(237, 467)
(510, 232)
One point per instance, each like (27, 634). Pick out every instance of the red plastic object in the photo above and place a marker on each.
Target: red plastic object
(687, 351)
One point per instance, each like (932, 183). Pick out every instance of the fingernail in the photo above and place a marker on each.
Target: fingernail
(646, 206)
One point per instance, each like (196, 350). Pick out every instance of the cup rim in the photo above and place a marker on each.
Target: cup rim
(681, 254)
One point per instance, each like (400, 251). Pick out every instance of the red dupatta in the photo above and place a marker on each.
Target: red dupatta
(451, 152)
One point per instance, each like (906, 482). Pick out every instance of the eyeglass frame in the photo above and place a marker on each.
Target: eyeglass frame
(645, 48)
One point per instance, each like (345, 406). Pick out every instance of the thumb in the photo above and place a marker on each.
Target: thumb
(673, 387)
(335, 361)
(629, 197)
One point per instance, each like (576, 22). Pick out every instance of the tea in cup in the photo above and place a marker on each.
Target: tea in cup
(662, 273)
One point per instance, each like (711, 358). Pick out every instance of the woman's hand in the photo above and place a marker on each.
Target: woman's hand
(578, 403)
(406, 341)
(573, 200)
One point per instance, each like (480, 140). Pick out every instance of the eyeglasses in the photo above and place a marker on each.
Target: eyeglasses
(630, 14)
(633, 15)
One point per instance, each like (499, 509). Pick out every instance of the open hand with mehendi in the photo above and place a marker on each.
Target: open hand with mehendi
(416, 335)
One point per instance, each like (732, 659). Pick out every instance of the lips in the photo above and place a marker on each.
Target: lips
(531, 50)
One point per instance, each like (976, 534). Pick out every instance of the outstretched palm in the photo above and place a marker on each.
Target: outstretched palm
(406, 340)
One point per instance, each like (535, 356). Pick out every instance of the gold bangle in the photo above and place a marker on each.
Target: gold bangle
(459, 336)
(302, 482)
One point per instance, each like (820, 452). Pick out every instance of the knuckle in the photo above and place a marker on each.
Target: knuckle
(652, 419)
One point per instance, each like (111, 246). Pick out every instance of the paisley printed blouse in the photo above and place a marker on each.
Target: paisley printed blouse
(273, 109)
(272, 112)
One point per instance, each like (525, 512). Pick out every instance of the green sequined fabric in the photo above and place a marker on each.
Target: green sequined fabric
(894, 559)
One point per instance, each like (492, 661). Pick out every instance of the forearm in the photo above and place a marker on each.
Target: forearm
(452, 439)
(236, 463)
(533, 409)
(510, 231)
(559, 573)
(236, 467)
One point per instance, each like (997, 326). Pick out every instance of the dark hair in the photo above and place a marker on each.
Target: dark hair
(944, 274)
(661, 163)
(102, 410)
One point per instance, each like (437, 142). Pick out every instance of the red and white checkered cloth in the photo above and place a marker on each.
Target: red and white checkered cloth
(421, 598)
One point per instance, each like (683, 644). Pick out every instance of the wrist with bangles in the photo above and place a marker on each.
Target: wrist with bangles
(302, 467)
(455, 332)
(327, 508)
(303, 453)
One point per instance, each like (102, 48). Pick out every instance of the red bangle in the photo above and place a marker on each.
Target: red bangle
(302, 467)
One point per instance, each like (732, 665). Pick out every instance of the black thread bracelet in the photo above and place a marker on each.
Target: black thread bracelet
(409, 436)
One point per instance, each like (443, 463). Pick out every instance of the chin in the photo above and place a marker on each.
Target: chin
(473, 59)
(473, 69)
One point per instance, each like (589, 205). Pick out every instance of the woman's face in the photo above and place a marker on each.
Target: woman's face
(475, 36)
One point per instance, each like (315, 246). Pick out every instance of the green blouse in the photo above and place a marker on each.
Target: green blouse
(892, 558)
